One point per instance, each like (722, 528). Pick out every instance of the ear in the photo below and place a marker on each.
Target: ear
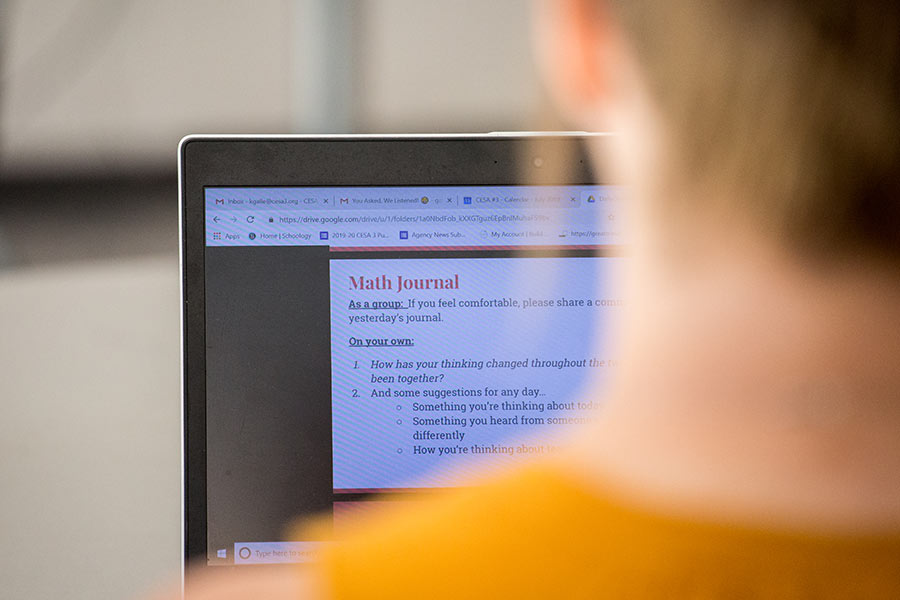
(579, 50)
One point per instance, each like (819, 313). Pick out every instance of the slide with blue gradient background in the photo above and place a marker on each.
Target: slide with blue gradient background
(444, 367)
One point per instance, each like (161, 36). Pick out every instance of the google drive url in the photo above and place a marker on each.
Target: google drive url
(340, 219)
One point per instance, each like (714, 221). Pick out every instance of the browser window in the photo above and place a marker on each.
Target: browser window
(370, 344)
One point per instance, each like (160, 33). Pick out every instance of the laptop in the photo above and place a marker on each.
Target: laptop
(367, 319)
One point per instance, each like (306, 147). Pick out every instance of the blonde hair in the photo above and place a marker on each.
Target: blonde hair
(793, 106)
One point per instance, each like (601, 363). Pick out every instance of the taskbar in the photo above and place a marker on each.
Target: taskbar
(267, 553)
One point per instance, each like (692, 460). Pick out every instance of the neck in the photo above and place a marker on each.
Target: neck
(758, 381)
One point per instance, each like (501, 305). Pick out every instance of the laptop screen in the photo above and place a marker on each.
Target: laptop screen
(370, 344)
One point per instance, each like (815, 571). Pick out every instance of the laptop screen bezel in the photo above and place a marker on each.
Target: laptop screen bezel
(304, 161)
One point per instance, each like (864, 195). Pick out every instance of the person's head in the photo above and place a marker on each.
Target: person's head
(779, 117)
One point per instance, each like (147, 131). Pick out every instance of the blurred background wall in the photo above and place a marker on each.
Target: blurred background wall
(94, 96)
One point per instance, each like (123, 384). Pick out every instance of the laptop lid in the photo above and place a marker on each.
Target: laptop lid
(366, 319)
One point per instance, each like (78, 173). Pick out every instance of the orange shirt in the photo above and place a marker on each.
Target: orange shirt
(542, 534)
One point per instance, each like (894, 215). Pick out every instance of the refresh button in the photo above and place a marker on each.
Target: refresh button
(251, 218)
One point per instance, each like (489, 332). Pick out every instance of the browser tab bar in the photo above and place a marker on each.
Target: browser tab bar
(413, 217)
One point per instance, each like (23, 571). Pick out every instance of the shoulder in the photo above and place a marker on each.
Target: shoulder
(494, 538)
(543, 533)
